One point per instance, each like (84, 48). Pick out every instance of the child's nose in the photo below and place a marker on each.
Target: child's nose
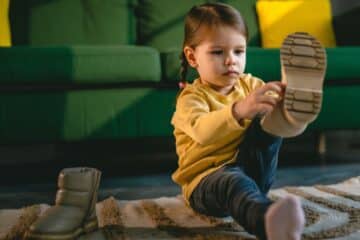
(230, 59)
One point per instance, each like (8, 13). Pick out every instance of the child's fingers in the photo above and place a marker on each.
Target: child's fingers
(269, 99)
(273, 95)
(275, 90)
(275, 87)
(265, 108)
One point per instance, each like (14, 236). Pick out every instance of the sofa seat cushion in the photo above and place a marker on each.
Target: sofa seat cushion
(170, 64)
(107, 114)
(263, 63)
(343, 66)
(42, 116)
(78, 64)
(155, 111)
(339, 109)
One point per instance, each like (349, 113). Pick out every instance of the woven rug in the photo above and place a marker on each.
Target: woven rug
(332, 212)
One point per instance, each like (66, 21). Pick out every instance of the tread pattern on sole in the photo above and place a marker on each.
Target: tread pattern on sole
(302, 53)
(307, 102)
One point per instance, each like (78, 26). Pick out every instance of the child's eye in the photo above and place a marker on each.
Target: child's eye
(239, 51)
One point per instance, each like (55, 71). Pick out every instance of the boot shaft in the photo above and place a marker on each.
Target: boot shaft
(78, 187)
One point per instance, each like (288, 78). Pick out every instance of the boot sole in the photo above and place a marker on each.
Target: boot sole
(303, 65)
(88, 227)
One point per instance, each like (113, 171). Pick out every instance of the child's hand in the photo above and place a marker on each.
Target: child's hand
(261, 101)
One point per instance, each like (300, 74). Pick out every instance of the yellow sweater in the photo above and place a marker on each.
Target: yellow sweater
(207, 135)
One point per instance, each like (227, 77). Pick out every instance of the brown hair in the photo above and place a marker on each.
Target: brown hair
(210, 15)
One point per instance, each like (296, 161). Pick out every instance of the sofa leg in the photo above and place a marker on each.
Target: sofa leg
(321, 146)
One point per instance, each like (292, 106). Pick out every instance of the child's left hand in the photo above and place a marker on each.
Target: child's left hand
(261, 101)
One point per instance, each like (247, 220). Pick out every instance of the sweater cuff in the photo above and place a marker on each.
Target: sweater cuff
(233, 123)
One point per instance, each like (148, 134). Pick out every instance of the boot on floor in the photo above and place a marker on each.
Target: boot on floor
(303, 66)
(74, 209)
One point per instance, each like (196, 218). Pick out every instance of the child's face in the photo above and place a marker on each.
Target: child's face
(220, 57)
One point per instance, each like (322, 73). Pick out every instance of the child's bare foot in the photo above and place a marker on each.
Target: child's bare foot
(285, 220)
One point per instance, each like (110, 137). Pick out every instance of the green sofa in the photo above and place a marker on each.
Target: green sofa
(106, 72)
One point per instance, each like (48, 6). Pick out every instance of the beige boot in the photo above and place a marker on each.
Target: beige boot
(74, 210)
(303, 65)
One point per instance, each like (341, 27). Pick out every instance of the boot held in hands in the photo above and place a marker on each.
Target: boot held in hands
(303, 65)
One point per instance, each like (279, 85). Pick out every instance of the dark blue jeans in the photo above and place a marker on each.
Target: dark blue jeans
(239, 189)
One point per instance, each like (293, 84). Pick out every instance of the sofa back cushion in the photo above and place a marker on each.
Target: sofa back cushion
(346, 22)
(5, 39)
(279, 18)
(160, 23)
(247, 8)
(36, 22)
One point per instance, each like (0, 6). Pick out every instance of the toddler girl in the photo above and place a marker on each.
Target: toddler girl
(227, 162)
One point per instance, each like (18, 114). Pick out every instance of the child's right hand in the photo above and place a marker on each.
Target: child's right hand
(261, 101)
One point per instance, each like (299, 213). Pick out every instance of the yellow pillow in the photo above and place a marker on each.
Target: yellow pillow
(279, 18)
(5, 39)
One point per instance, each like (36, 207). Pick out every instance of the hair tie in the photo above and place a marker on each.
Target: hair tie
(182, 85)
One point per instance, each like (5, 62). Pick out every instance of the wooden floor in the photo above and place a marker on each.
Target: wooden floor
(151, 186)
(297, 166)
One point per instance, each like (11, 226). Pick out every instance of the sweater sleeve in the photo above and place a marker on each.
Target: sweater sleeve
(253, 82)
(193, 117)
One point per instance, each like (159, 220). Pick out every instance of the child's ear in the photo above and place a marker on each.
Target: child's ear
(190, 56)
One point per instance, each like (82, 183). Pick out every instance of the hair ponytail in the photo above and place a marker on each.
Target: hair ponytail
(183, 70)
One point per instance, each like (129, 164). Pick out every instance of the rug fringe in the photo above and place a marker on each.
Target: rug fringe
(29, 216)
(110, 213)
